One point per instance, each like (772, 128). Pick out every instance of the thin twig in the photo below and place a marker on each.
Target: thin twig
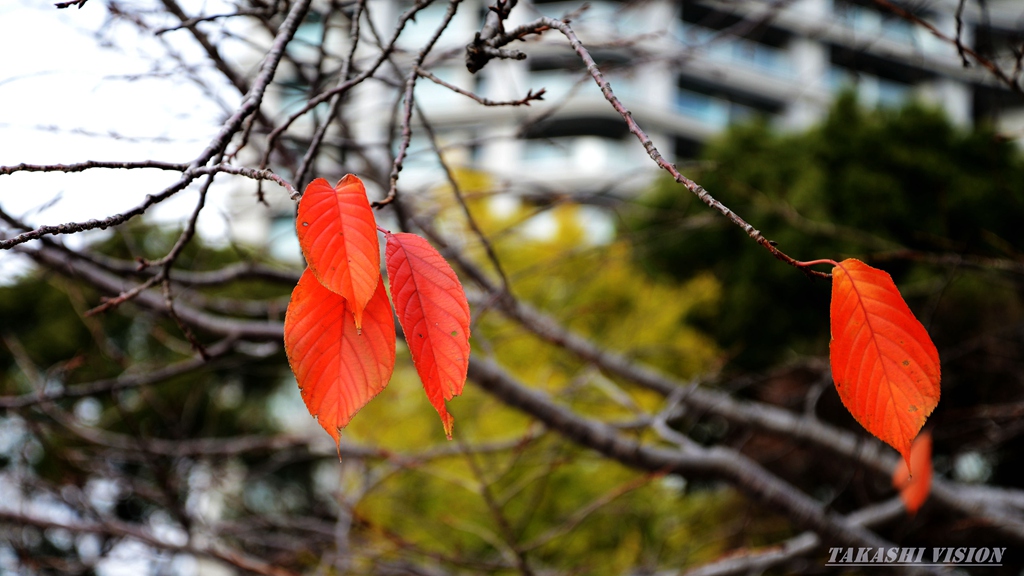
(250, 104)
(409, 99)
(720, 462)
(540, 25)
(457, 192)
(959, 33)
(760, 416)
(985, 62)
(82, 166)
(122, 382)
(976, 503)
(763, 559)
(188, 174)
(332, 109)
(524, 101)
(507, 534)
(188, 23)
(343, 86)
(583, 513)
(236, 79)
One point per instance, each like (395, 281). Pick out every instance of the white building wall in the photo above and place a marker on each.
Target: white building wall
(798, 77)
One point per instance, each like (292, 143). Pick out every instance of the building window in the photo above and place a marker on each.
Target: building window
(719, 106)
(282, 243)
(866, 20)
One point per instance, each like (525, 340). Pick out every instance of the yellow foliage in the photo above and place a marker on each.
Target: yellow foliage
(594, 290)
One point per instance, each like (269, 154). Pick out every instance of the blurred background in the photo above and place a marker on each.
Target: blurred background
(163, 433)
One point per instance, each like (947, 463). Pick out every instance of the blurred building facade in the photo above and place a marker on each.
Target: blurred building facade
(685, 70)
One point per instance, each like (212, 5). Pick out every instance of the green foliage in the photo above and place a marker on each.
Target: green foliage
(49, 341)
(865, 184)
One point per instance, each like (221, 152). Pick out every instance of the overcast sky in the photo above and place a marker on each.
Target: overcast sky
(73, 88)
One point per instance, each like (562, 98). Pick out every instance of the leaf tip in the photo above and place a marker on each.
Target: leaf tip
(913, 479)
(333, 431)
(448, 421)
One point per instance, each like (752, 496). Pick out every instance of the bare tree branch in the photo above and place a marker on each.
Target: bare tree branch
(121, 529)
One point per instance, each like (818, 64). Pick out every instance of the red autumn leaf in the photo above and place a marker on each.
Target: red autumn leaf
(339, 368)
(338, 236)
(885, 366)
(915, 484)
(434, 314)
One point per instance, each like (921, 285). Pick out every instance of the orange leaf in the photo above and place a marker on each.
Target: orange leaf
(884, 364)
(339, 368)
(338, 236)
(914, 488)
(434, 314)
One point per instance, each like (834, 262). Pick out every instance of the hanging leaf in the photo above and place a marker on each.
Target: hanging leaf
(915, 484)
(339, 368)
(885, 366)
(434, 314)
(338, 236)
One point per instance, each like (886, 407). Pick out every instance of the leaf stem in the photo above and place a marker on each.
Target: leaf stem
(815, 263)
